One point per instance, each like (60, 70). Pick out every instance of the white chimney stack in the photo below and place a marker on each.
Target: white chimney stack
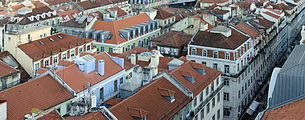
(133, 59)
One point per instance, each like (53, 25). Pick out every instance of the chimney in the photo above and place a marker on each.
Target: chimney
(3, 109)
(101, 67)
(155, 60)
(133, 59)
(302, 35)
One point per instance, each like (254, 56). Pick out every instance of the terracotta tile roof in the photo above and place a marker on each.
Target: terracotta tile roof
(54, 2)
(35, 11)
(115, 26)
(97, 3)
(247, 29)
(275, 11)
(41, 70)
(150, 102)
(161, 14)
(24, 76)
(272, 15)
(68, 13)
(88, 116)
(53, 115)
(66, 63)
(6, 69)
(217, 40)
(290, 111)
(78, 80)
(42, 93)
(243, 5)
(38, 4)
(213, 1)
(281, 6)
(36, 50)
(166, 92)
(120, 12)
(17, 7)
(260, 20)
(173, 39)
(113, 101)
(201, 81)
(220, 12)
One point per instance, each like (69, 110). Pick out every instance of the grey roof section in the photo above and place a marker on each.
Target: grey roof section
(290, 83)
(175, 62)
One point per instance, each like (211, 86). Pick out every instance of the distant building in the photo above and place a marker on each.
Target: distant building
(9, 76)
(48, 51)
(165, 19)
(145, 4)
(172, 44)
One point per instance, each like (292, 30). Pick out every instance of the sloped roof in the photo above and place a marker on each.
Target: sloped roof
(88, 116)
(201, 81)
(161, 14)
(272, 15)
(6, 69)
(68, 13)
(290, 111)
(213, 1)
(36, 50)
(173, 39)
(78, 80)
(260, 20)
(247, 29)
(42, 93)
(53, 115)
(54, 2)
(120, 12)
(115, 26)
(150, 100)
(217, 40)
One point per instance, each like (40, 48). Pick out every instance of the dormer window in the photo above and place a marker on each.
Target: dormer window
(167, 94)
(137, 113)
(193, 51)
(227, 56)
(188, 76)
(215, 54)
(204, 52)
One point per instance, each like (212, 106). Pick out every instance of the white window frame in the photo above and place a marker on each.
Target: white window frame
(44, 62)
(72, 51)
(204, 51)
(227, 55)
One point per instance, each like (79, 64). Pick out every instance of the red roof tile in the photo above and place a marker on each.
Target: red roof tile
(213, 1)
(291, 111)
(78, 80)
(54, 2)
(151, 103)
(275, 11)
(115, 26)
(173, 39)
(113, 101)
(53, 115)
(201, 81)
(272, 15)
(41, 70)
(36, 50)
(120, 12)
(42, 93)
(68, 13)
(248, 30)
(17, 7)
(161, 14)
(88, 116)
(38, 4)
(6, 69)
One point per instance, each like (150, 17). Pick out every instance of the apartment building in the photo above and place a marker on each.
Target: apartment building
(48, 51)
(208, 3)
(90, 6)
(229, 51)
(9, 76)
(123, 35)
(146, 4)
(172, 44)
(165, 19)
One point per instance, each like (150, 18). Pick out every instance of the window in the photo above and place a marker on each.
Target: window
(242, 90)
(208, 108)
(88, 47)
(226, 112)
(207, 91)
(130, 74)
(46, 62)
(196, 117)
(193, 52)
(213, 118)
(226, 81)
(204, 52)
(226, 96)
(110, 50)
(102, 94)
(228, 56)
(212, 86)
(37, 66)
(55, 59)
(227, 69)
(4, 83)
(121, 80)
(245, 86)
(237, 66)
(164, 22)
(202, 113)
(217, 81)
(102, 49)
(64, 56)
(239, 94)
(215, 66)
(29, 37)
(9, 38)
(115, 85)
(195, 101)
(201, 97)
(215, 54)
(218, 97)
(204, 63)
(218, 114)
(213, 102)
(72, 53)
(80, 50)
